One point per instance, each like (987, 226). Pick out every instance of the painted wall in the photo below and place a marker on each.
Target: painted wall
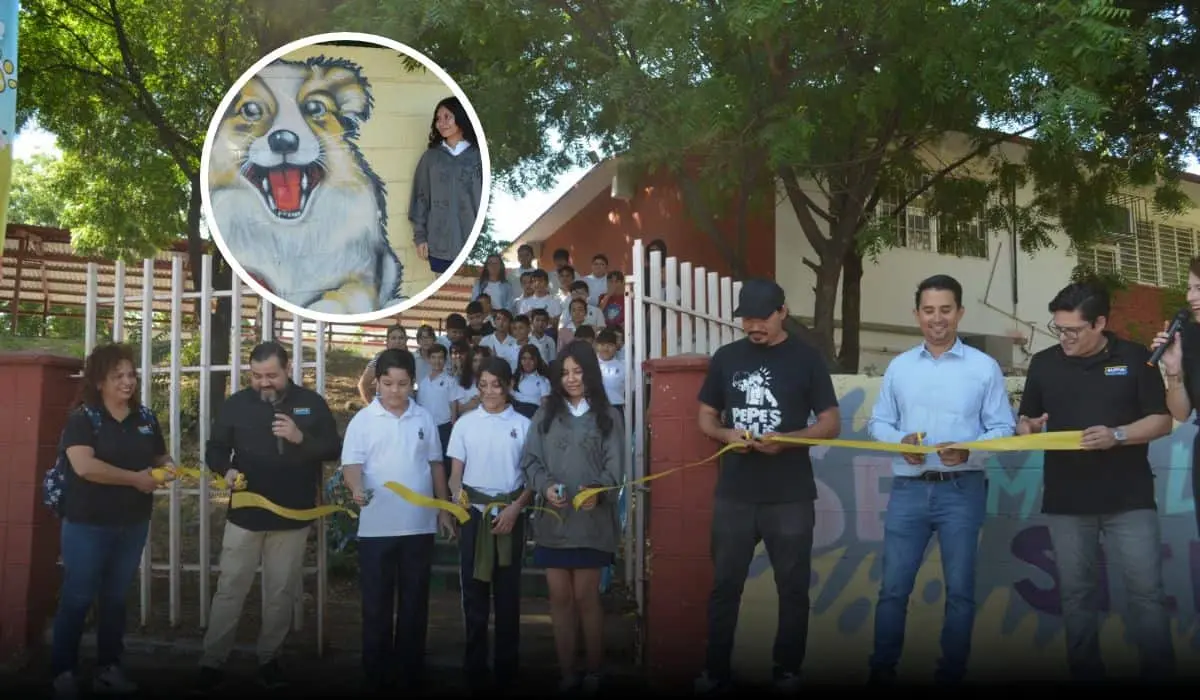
(1018, 622)
(394, 138)
(888, 283)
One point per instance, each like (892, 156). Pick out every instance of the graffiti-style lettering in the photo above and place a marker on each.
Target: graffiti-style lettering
(869, 471)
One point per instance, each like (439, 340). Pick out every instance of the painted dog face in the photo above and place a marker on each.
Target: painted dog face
(287, 135)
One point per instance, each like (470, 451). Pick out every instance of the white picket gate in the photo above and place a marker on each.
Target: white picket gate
(680, 309)
(242, 301)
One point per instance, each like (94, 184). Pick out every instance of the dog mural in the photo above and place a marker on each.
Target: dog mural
(295, 201)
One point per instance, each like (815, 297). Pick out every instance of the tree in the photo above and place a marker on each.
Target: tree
(486, 244)
(128, 88)
(33, 199)
(834, 101)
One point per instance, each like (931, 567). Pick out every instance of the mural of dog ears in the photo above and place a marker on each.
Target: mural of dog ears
(350, 90)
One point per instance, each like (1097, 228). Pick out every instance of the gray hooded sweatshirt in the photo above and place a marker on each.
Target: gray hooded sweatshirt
(446, 193)
(574, 453)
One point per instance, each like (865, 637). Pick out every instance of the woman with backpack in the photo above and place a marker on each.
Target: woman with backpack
(111, 445)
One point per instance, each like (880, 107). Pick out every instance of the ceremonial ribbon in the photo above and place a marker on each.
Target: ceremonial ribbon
(241, 498)
(1060, 440)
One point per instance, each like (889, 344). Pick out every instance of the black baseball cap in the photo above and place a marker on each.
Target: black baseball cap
(759, 298)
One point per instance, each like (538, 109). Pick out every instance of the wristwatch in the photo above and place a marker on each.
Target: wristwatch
(1119, 435)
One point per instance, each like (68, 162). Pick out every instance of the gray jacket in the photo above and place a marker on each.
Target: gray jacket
(574, 453)
(446, 193)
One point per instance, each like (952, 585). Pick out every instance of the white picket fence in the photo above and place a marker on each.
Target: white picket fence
(303, 334)
(671, 308)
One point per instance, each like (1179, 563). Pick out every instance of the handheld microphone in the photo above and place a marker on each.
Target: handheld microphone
(273, 401)
(1181, 317)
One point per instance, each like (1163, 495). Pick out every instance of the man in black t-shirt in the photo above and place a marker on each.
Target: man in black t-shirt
(278, 434)
(1098, 383)
(768, 383)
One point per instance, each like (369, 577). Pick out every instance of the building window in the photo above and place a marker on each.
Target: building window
(1144, 252)
(915, 229)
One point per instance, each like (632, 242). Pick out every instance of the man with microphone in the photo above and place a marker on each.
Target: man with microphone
(277, 434)
(1103, 385)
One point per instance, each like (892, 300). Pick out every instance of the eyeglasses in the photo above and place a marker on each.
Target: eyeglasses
(1069, 332)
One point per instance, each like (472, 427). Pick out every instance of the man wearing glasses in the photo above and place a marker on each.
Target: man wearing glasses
(1098, 383)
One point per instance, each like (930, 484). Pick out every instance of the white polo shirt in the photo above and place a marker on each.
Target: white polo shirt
(434, 394)
(394, 448)
(506, 349)
(532, 388)
(489, 446)
(612, 373)
(545, 345)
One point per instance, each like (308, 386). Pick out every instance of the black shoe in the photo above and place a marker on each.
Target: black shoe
(270, 676)
(210, 679)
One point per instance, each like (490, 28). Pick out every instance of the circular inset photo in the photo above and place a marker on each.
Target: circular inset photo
(345, 177)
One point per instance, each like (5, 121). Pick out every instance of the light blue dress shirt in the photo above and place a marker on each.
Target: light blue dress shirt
(957, 397)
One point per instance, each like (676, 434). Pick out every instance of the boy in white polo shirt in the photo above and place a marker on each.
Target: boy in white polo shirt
(395, 439)
(485, 469)
(437, 393)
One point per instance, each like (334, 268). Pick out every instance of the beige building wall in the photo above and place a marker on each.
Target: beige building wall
(394, 137)
(1157, 256)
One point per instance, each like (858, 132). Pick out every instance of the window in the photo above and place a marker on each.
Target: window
(917, 230)
(1145, 252)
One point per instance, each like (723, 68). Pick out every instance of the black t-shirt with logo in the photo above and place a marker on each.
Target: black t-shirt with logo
(1112, 388)
(768, 389)
(133, 444)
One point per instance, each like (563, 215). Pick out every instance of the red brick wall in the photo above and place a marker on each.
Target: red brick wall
(679, 569)
(37, 391)
(609, 226)
(1137, 312)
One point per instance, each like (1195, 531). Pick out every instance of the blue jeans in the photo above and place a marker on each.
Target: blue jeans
(955, 509)
(1131, 543)
(99, 561)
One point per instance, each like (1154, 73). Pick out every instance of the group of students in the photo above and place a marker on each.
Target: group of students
(513, 472)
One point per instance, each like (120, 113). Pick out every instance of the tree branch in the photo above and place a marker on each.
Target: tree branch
(955, 165)
(803, 206)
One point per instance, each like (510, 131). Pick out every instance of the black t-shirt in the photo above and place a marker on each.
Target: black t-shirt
(132, 444)
(1190, 336)
(767, 389)
(1112, 388)
(242, 439)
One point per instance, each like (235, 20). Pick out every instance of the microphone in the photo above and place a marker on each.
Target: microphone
(1181, 317)
(270, 398)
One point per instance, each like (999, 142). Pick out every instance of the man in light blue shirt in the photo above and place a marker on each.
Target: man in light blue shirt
(937, 393)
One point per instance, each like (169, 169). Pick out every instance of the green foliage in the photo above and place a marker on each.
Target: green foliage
(1112, 282)
(843, 102)
(32, 199)
(486, 244)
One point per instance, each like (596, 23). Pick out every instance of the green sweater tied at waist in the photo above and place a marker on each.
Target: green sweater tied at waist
(490, 547)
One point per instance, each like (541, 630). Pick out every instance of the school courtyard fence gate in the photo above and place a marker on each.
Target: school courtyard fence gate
(671, 308)
(247, 310)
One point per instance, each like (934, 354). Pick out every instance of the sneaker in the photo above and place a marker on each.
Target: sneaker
(590, 685)
(65, 686)
(787, 682)
(706, 684)
(270, 676)
(210, 679)
(112, 681)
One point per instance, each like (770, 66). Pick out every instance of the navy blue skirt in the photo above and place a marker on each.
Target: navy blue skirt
(571, 558)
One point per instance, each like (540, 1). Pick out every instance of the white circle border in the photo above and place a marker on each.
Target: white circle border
(430, 289)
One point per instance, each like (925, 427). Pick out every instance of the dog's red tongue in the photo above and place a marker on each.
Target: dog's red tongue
(285, 188)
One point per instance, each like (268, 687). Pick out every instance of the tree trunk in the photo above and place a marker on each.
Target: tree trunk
(851, 345)
(829, 271)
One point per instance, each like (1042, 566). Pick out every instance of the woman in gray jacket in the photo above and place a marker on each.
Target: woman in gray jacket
(575, 442)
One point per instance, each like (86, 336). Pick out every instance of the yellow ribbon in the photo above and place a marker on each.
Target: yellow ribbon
(465, 502)
(1060, 440)
(240, 498)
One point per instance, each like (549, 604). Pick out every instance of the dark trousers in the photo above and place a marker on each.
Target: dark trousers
(477, 600)
(787, 531)
(444, 435)
(99, 564)
(439, 265)
(391, 568)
